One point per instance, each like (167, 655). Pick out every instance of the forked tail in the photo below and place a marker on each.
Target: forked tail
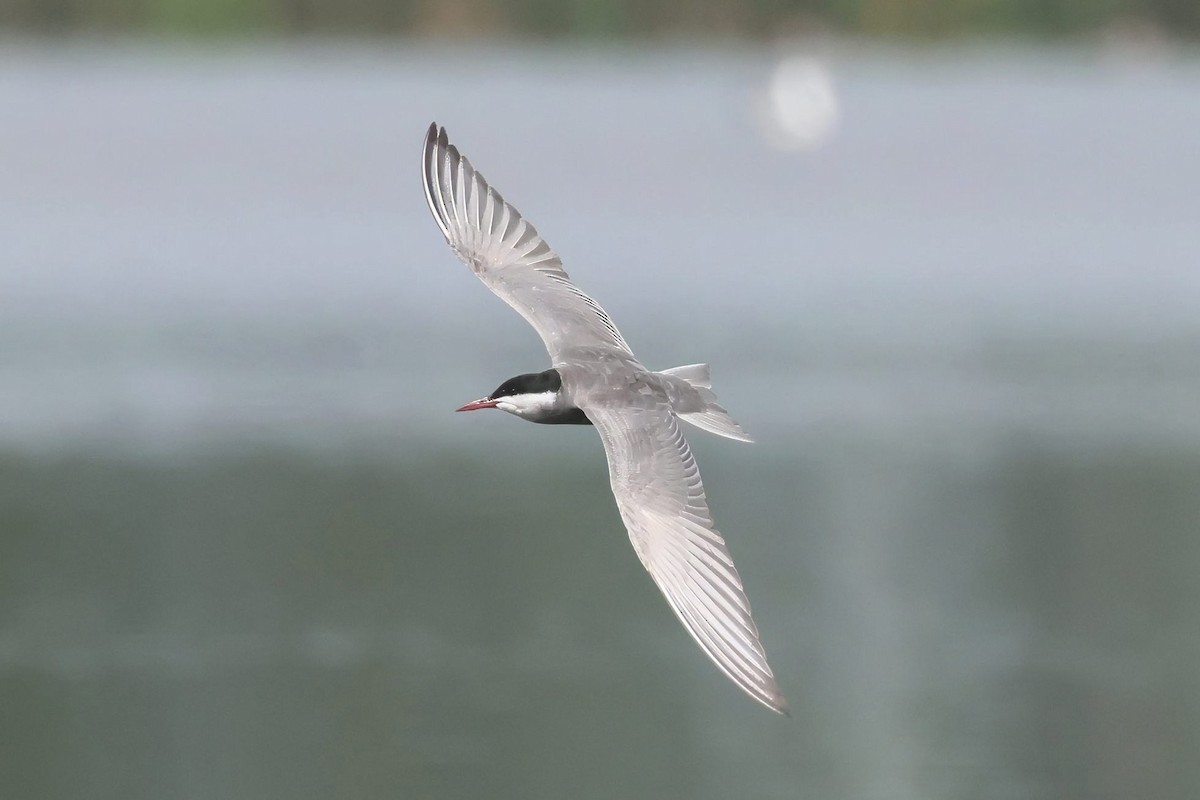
(712, 417)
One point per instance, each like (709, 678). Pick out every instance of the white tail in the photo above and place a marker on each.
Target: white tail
(713, 418)
(695, 374)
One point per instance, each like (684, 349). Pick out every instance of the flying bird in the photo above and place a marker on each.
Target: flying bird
(595, 379)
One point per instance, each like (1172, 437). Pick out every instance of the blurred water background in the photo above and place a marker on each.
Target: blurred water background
(247, 551)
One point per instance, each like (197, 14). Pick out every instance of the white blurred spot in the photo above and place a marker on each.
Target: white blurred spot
(799, 110)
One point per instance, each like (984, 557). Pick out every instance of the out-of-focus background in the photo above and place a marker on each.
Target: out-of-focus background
(944, 258)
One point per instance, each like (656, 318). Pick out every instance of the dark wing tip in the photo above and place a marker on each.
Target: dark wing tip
(435, 139)
(435, 143)
(444, 171)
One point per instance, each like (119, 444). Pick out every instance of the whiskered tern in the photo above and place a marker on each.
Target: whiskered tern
(595, 379)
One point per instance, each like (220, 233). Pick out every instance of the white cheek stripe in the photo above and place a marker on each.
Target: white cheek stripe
(527, 403)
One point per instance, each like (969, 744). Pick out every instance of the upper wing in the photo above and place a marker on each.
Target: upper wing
(507, 253)
(661, 499)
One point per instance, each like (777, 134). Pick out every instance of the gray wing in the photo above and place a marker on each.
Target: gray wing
(661, 498)
(508, 255)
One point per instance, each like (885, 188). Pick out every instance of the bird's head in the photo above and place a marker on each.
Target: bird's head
(529, 396)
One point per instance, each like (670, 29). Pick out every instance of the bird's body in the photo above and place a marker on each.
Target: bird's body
(596, 379)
